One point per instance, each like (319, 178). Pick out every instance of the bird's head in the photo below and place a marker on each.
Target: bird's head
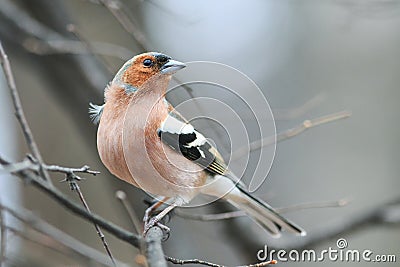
(138, 70)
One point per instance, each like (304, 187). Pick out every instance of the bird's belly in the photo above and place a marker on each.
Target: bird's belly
(159, 170)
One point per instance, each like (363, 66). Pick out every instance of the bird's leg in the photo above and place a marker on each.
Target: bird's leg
(156, 219)
(150, 210)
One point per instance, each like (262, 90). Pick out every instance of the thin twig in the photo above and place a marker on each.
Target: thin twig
(19, 113)
(70, 171)
(117, 9)
(89, 47)
(287, 134)
(26, 164)
(121, 196)
(240, 213)
(41, 226)
(386, 213)
(30, 164)
(261, 264)
(63, 200)
(66, 46)
(11, 10)
(191, 261)
(34, 240)
(72, 178)
(75, 187)
(292, 113)
(28, 27)
(210, 217)
(206, 263)
(314, 205)
(3, 240)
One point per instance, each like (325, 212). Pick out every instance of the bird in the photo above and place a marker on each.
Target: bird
(144, 141)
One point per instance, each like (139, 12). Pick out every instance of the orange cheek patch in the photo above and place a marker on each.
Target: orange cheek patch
(137, 74)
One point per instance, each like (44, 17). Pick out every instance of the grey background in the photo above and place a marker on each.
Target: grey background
(343, 53)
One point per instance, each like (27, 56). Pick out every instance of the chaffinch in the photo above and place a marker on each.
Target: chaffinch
(144, 141)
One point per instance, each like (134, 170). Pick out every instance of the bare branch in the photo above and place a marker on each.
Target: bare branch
(19, 113)
(386, 213)
(315, 205)
(3, 240)
(154, 252)
(69, 171)
(206, 263)
(30, 164)
(307, 124)
(30, 29)
(287, 134)
(65, 46)
(24, 21)
(64, 201)
(72, 179)
(117, 9)
(73, 29)
(210, 217)
(26, 164)
(64, 239)
(261, 264)
(121, 195)
(292, 113)
(191, 261)
(35, 240)
(240, 213)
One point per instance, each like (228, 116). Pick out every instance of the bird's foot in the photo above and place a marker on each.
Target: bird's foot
(156, 222)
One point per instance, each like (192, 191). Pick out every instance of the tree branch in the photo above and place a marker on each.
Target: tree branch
(70, 171)
(386, 213)
(117, 9)
(19, 113)
(154, 252)
(240, 213)
(65, 46)
(287, 134)
(295, 112)
(89, 47)
(206, 263)
(75, 187)
(63, 200)
(3, 240)
(30, 220)
(121, 196)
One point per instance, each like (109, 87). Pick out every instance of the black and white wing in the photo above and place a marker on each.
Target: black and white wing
(181, 136)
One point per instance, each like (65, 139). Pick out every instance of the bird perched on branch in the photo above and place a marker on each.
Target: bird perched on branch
(144, 141)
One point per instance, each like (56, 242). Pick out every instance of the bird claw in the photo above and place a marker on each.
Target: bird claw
(154, 222)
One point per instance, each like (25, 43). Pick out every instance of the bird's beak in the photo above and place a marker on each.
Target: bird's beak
(172, 66)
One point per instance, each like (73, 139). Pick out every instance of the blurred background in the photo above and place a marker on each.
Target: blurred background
(310, 58)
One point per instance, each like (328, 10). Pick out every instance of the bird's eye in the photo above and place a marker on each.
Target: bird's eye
(148, 62)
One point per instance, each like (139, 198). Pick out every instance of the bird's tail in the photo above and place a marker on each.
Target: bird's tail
(255, 208)
(261, 212)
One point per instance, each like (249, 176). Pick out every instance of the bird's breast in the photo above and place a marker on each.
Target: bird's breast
(132, 150)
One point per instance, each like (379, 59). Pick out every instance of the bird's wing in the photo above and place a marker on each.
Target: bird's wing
(181, 136)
